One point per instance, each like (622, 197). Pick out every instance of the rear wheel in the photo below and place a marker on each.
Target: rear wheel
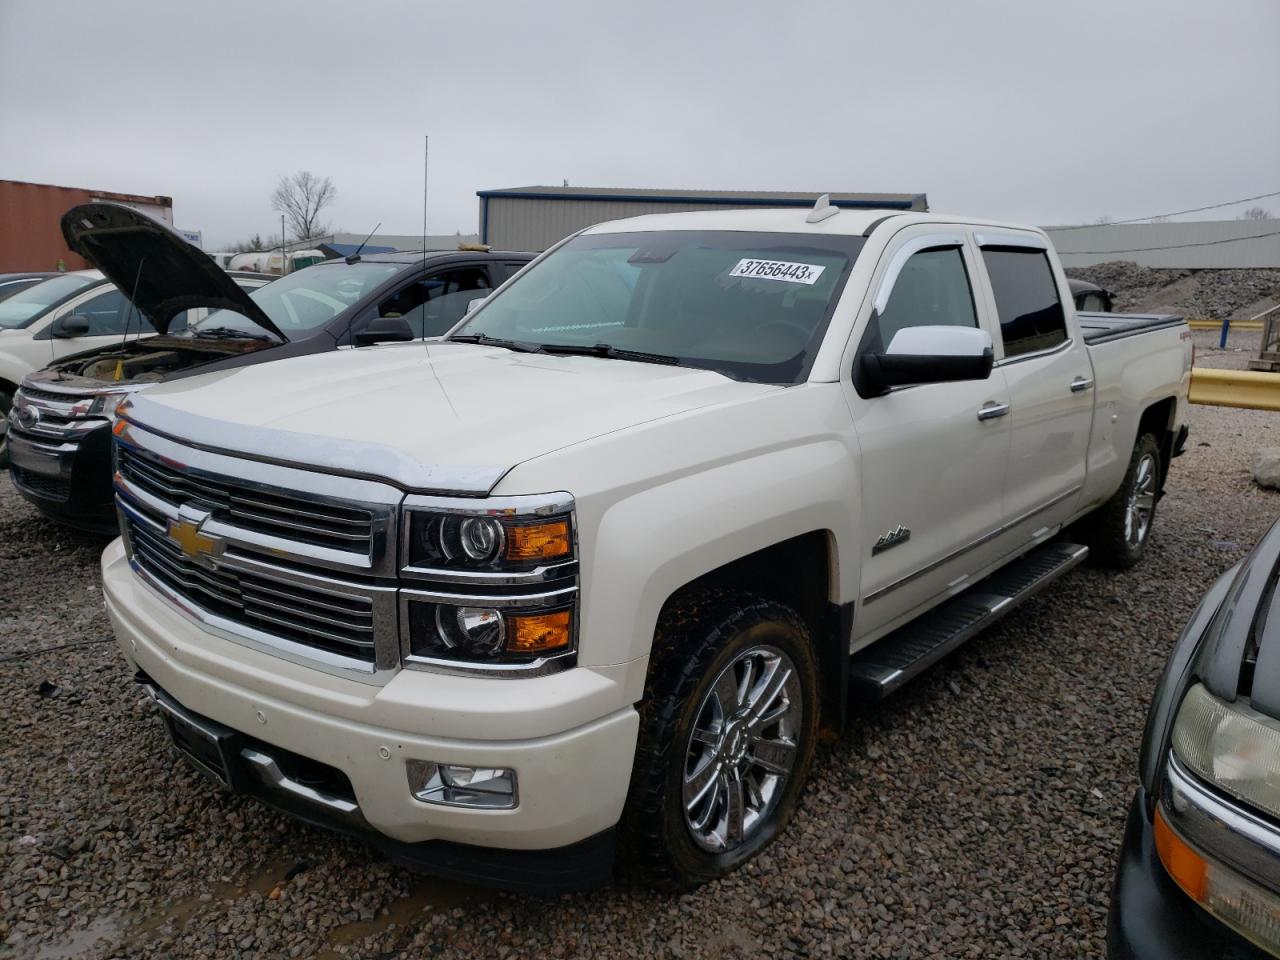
(1118, 531)
(727, 732)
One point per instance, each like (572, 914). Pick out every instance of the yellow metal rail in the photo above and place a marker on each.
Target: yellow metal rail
(1201, 323)
(1250, 389)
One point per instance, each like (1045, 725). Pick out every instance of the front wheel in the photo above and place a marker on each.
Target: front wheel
(1118, 531)
(727, 732)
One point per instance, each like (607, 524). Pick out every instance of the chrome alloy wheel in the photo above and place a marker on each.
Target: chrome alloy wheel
(742, 748)
(1142, 501)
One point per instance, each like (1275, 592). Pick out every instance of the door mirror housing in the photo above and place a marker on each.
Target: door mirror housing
(70, 325)
(389, 329)
(473, 304)
(932, 354)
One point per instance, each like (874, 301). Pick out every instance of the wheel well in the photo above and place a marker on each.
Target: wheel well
(1157, 419)
(798, 572)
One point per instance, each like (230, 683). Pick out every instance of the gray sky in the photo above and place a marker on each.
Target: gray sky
(1046, 112)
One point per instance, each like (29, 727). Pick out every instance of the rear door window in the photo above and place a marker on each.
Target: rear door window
(1031, 314)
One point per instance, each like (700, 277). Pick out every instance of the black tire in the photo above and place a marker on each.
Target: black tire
(6, 403)
(1113, 533)
(700, 638)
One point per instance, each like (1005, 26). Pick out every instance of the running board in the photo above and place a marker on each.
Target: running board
(880, 669)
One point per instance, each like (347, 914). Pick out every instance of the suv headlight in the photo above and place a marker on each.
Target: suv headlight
(107, 404)
(489, 585)
(1231, 746)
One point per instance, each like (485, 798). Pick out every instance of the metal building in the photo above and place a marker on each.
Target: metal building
(30, 218)
(533, 218)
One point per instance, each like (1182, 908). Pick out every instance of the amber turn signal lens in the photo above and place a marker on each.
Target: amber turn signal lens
(119, 427)
(539, 541)
(1187, 867)
(539, 632)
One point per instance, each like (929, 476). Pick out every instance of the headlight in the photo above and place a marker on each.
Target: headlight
(1230, 746)
(489, 586)
(108, 404)
(485, 636)
(453, 541)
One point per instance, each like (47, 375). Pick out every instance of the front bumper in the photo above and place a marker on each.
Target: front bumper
(68, 480)
(570, 736)
(1150, 917)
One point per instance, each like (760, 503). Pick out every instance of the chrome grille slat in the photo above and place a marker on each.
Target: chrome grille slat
(252, 597)
(317, 616)
(337, 527)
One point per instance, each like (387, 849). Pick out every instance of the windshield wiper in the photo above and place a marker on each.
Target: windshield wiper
(222, 333)
(610, 352)
(520, 346)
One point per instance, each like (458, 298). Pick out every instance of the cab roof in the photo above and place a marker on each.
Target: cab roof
(791, 220)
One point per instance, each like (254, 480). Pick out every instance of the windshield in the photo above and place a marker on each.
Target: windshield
(304, 301)
(26, 305)
(753, 306)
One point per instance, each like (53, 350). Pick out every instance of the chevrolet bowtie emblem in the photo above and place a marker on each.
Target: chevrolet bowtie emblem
(187, 535)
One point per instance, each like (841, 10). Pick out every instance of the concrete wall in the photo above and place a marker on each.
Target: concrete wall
(30, 222)
(1189, 244)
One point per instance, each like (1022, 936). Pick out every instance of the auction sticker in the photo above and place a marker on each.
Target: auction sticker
(806, 273)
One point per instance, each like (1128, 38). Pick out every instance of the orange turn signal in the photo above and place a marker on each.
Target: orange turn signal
(119, 427)
(1187, 867)
(539, 632)
(539, 541)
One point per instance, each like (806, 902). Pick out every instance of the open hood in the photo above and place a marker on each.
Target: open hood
(163, 274)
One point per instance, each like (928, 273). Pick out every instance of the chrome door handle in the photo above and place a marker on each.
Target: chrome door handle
(991, 410)
(1081, 384)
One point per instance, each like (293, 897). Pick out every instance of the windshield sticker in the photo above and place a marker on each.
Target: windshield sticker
(806, 273)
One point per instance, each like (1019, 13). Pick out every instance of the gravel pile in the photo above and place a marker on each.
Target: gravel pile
(1194, 293)
(977, 814)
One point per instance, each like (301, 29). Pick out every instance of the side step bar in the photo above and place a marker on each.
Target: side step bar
(880, 669)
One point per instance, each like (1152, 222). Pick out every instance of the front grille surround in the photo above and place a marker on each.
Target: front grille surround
(257, 577)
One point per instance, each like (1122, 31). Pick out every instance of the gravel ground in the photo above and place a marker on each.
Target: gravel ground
(977, 814)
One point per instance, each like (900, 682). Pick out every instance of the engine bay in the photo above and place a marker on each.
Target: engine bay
(149, 360)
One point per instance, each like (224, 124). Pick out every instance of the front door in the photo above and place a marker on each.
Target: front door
(932, 455)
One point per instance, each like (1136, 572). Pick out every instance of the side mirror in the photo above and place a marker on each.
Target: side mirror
(389, 329)
(929, 355)
(70, 325)
(472, 304)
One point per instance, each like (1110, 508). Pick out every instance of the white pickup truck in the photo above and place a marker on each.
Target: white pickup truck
(581, 582)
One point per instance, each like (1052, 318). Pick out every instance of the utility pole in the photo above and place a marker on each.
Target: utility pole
(284, 257)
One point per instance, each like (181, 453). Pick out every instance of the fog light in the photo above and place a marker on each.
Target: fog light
(456, 785)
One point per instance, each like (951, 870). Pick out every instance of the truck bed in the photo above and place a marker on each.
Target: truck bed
(1103, 327)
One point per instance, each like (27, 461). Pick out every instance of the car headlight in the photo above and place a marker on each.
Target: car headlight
(489, 585)
(108, 404)
(453, 541)
(1231, 746)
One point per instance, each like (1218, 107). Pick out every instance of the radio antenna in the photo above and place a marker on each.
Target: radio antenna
(426, 145)
(355, 257)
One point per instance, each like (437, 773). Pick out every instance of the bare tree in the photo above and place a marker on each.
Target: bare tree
(1256, 213)
(252, 245)
(301, 198)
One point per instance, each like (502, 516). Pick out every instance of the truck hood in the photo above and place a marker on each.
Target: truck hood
(162, 273)
(429, 417)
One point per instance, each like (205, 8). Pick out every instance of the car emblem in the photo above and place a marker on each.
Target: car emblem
(897, 535)
(197, 546)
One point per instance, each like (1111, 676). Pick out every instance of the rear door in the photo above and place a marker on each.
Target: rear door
(932, 463)
(1050, 382)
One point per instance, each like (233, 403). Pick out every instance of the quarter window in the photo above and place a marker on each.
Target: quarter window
(1031, 315)
(932, 290)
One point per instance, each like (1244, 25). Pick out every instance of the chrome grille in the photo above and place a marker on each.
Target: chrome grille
(35, 393)
(252, 508)
(331, 620)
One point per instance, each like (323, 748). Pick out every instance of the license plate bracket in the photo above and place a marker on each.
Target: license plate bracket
(211, 748)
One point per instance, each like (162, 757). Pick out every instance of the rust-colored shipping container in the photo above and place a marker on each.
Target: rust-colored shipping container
(30, 216)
